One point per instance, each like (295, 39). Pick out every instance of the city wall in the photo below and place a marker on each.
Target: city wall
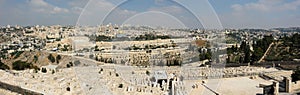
(17, 89)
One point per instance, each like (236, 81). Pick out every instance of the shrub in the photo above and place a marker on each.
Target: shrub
(35, 58)
(44, 70)
(68, 89)
(70, 64)
(58, 57)
(51, 58)
(77, 62)
(120, 85)
(3, 66)
(17, 54)
(21, 65)
(147, 72)
(296, 75)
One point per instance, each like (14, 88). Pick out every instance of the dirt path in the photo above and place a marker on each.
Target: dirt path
(268, 50)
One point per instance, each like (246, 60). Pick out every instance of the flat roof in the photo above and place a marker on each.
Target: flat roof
(160, 75)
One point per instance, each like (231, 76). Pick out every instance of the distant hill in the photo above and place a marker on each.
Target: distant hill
(37, 58)
(291, 29)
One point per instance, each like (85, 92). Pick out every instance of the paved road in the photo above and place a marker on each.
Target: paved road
(267, 51)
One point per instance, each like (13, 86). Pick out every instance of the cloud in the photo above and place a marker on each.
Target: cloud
(168, 9)
(118, 16)
(257, 13)
(33, 12)
(262, 14)
(96, 12)
(44, 7)
(268, 6)
(77, 6)
(160, 20)
(159, 2)
(125, 12)
(2, 2)
(237, 7)
(77, 3)
(76, 10)
(66, 12)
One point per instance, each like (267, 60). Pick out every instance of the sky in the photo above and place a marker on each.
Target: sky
(167, 13)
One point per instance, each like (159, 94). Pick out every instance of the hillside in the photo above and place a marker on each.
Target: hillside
(41, 58)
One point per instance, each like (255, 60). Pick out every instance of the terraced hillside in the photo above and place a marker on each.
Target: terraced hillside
(287, 49)
(40, 58)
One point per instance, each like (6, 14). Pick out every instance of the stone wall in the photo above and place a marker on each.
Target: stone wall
(17, 89)
(296, 85)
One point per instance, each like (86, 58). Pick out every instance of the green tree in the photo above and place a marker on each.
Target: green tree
(296, 75)
(70, 64)
(260, 47)
(51, 58)
(208, 55)
(3, 66)
(58, 45)
(44, 70)
(120, 85)
(243, 46)
(247, 54)
(35, 58)
(148, 73)
(97, 48)
(68, 89)
(58, 57)
(21, 65)
(17, 54)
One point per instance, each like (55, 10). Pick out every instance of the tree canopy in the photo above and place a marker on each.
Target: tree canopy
(51, 58)
(3, 66)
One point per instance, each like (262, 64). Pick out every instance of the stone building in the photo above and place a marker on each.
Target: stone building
(139, 59)
(173, 59)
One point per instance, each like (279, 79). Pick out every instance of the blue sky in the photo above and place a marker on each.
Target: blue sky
(178, 13)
